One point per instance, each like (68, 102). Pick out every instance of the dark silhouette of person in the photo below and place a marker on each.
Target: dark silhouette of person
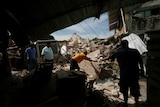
(31, 57)
(131, 67)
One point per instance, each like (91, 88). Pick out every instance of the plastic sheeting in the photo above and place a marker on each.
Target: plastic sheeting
(136, 42)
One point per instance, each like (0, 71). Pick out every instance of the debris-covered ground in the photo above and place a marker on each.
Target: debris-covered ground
(104, 75)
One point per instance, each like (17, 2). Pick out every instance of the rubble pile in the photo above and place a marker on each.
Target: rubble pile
(97, 49)
(105, 73)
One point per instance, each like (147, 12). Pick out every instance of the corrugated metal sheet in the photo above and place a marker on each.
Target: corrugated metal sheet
(39, 18)
(115, 16)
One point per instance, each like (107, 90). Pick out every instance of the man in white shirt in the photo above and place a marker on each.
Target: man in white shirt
(47, 53)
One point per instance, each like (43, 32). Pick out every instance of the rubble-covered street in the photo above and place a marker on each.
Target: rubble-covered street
(102, 76)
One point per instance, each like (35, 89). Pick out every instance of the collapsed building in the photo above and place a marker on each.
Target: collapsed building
(15, 88)
(96, 84)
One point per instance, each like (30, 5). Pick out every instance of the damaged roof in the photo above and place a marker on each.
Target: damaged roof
(36, 19)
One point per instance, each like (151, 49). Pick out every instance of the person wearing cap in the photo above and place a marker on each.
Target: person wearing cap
(77, 59)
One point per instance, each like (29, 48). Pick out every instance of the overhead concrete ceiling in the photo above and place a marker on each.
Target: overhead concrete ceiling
(36, 19)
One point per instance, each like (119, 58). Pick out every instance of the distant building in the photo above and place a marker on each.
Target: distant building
(145, 18)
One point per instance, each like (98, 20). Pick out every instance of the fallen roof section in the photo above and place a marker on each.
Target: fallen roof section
(38, 18)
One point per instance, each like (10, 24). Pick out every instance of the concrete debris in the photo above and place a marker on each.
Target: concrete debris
(105, 73)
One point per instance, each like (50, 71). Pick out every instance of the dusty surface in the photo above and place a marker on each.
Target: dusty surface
(116, 100)
(105, 91)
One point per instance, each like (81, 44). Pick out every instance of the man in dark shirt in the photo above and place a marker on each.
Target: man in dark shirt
(129, 61)
(31, 57)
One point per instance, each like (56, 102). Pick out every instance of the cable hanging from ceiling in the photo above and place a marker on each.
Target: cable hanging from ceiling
(100, 27)
(84, 29)
(90, 27)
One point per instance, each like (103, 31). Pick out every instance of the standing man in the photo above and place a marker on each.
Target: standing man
(47, 53)
(31, 57)
(77, 59)
(129, 61)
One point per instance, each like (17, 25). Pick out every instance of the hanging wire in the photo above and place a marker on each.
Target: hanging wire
(84, 29)
(90, 27)
(100, 27)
